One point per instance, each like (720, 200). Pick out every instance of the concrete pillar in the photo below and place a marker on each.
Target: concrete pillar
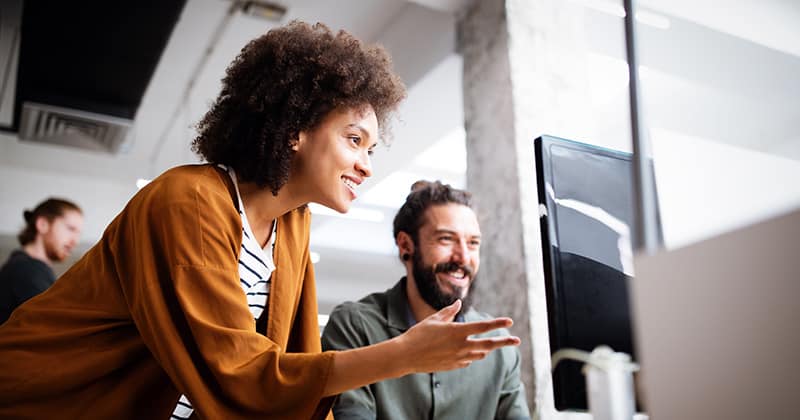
(523, 77)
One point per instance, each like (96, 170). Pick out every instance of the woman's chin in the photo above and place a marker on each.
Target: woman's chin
(339, 207)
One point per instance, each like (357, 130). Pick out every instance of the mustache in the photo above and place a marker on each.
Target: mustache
(453, 266)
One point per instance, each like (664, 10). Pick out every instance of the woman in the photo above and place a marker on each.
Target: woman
(174, 299)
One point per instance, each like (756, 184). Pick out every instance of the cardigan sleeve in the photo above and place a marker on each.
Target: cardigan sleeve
(178, 263)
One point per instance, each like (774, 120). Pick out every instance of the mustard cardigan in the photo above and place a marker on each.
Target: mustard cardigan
(155, 309)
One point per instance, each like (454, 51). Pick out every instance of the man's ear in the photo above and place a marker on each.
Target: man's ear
(404, 244)
(42, 224)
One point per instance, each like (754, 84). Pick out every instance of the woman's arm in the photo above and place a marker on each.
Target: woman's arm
(435, 344)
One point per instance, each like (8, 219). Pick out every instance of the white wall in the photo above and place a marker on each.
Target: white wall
(100, 199)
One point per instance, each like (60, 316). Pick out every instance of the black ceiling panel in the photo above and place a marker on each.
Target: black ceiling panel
(95, 56)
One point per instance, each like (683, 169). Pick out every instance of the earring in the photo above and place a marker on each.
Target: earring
(406, 256)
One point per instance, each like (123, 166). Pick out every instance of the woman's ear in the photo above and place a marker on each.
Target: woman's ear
(298, 141)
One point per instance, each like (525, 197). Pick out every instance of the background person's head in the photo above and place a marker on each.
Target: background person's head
(438, 237)
(54, 227)
(287, 82)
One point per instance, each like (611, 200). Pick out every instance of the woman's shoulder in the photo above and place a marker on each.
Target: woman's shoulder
(189, 181)
(200, 188)
(193, 174)
(190, 203)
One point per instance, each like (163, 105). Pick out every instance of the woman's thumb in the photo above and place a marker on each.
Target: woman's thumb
(448, 313)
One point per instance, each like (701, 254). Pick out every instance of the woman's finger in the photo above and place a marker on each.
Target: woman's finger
(448, 313)
(492, 343)
(480, 327)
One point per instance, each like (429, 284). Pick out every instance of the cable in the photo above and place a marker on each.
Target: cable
(602, 357)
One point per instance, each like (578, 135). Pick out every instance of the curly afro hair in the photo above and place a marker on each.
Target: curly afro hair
(284, 82)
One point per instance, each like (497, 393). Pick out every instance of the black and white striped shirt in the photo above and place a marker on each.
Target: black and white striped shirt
(255, 267)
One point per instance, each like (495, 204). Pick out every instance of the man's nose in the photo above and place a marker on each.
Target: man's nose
(460, 251)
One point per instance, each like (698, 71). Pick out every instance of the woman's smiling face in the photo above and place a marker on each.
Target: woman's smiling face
(333, 158)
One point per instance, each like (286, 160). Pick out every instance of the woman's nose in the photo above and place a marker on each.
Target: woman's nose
(364, 165)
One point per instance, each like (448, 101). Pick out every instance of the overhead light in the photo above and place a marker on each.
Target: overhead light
(264, 10)
(605, 6)
(355, 213)
(653, 19)
(615, 9)
(141, 182)
(314, 257)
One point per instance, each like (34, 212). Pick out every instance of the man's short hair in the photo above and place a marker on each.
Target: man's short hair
(423, 195)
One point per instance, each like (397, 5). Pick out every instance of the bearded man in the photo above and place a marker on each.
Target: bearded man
(438, 239)
(51, 231)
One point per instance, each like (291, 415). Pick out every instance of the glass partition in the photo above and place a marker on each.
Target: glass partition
(720, 98)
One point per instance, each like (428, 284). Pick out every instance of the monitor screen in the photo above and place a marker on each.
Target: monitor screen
(585, 196)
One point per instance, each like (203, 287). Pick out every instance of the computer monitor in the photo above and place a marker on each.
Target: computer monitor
(586, 207)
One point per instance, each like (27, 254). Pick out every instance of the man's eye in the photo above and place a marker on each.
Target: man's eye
(356, 140)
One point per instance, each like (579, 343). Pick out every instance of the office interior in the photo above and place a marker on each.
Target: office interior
(719, 101)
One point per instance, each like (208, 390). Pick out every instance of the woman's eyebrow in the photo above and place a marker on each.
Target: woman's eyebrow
(364, 133)
(361, 128)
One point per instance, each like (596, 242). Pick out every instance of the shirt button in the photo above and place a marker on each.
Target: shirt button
(436, 384)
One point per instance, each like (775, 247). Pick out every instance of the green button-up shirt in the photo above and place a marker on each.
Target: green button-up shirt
(488, 389)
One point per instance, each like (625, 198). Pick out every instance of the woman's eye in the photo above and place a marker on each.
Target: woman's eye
(356, 140)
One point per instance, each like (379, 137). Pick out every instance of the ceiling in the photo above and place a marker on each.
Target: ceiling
(158, 64)
(72, 55)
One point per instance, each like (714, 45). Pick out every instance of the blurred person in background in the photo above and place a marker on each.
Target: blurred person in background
(51, 232)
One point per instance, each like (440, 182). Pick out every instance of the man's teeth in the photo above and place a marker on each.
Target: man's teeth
(349, 183)
(459, 274)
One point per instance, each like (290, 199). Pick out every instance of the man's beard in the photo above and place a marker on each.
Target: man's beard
(53, 252)
(428, 286)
